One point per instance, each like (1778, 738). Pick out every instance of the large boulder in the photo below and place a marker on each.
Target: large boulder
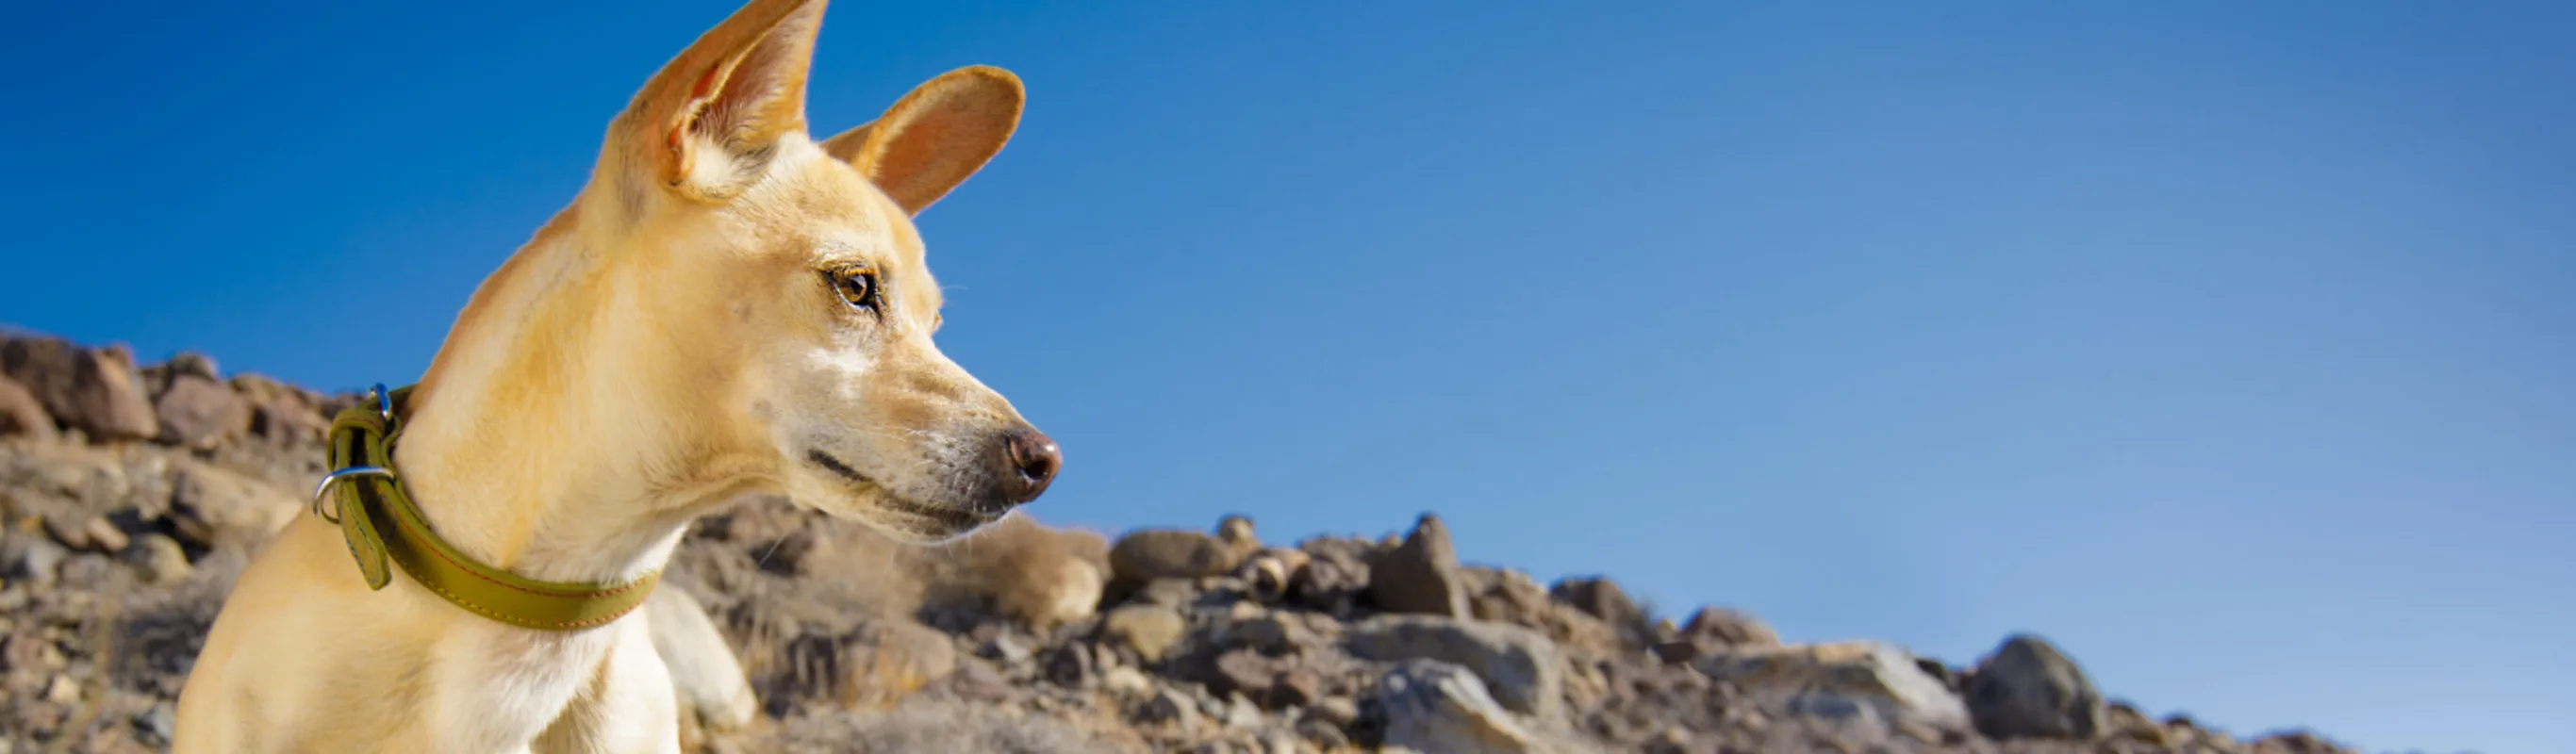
(21, 413)
(1433, 706)
(1421, 576)
(2028, 689)
(196, 412)
(1841, 680)
(1716, 630)
(704, 674)
(1146, 555)
(1602, 598)
(888, 660)
(213, 506)
(96, 391)
(1147, 630)
(1521, 667)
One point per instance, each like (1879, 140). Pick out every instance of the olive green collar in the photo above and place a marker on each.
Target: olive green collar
(369, 495)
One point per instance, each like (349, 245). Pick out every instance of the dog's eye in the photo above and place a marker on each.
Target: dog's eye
(857, 286)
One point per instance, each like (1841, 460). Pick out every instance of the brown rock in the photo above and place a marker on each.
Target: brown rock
(197, 411)
(1433, 706)
(1520, 667)
(163, 559)
(21, 414)
(1149, 630)
(1421, 576)
(1143, 556)
(1298, 687)
(1267, 572)
(63, 530)
(895, 659)
(1246, 672)
(1840, 680)
(193, 364)
(1270, 634)
(1715, 630)
(212, 506)
(2028, 689)
(1070, 665)
(1602, 598)
(2127, 722)
(104, 535)
(96, 391)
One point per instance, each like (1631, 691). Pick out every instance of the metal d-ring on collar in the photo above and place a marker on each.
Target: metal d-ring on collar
(384, 408)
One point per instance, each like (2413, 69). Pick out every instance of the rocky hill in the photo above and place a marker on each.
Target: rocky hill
(130, 496)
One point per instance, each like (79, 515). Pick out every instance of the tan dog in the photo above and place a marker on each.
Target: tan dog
(728, 308)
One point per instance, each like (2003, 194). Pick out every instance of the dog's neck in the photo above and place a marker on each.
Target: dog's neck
(532, 451)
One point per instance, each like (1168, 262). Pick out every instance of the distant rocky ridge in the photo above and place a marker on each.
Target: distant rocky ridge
(131, 496)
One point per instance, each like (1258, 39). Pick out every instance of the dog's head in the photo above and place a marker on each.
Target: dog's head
(784, 273)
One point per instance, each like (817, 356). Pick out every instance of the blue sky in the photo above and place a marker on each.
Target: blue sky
(2227, 344)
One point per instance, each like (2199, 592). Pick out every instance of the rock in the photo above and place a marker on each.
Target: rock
(2127, 722)
(1235, 530)
(704, 674)
(1729, 628)
(1421, 575)
(1149, 630)
(2028, 689)
(1268, 572)
(96, 391)
(1840, 680)
(215, 506)
(33, 559)
(1520, 667)
(193, 364)
(1246, 672)
(87, 572)
(1143, 556)
(894, 658)
(285, 424)
(65, 530)
(2297, 742)
(104, 535)
(163, 559)
(1126, 681)
(1323, 735)
(1070, 665)
(21, 414)
(1069, 593)
(1433, 706)
(1338, 711)
(1297, 687)
(157, 725)
(1715, 630)
(1602, 598)
(1270, 634)
(1169, 707)
(1239, 712)
(1168, 592)
(195, 412)
(1007, 648)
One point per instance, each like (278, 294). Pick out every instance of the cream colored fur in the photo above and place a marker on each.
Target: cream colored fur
(684, 334)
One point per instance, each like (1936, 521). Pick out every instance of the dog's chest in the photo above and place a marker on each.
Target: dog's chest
(514, 683)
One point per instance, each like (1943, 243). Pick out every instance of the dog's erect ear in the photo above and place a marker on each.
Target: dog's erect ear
(705, 123)
(936, 136)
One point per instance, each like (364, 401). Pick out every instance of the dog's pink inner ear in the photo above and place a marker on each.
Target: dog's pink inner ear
(741, 85)
(936, 136)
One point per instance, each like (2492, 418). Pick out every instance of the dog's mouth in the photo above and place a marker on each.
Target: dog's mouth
(921, 518)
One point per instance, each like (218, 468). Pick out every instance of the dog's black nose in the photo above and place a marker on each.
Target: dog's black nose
(1033, 462)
